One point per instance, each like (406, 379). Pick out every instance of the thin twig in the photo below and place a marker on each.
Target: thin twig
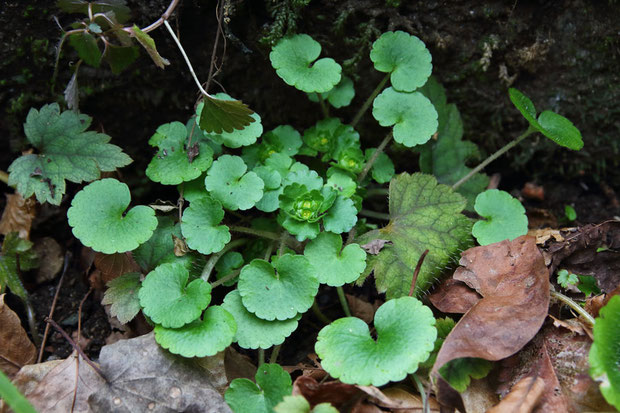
(375, 156)
(416, 272)
(79, 339)
(369, 101)
(218, 32)
(574, 306)
(225, 278)
(164, 17)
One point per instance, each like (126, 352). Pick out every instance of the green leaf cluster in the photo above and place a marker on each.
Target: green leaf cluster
(604, 355)
(14, 250)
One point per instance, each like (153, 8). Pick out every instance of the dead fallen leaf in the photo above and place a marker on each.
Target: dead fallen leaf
(374, 247)
(238, 366)
(522, 397)
(572, 324)
(512, 278)
(180, 247)
(214, 370)
(115, 265)
(362, 309)
(18, 215)
(532, 191)
(334, 392)
(545, 234)
(51, 258)
(594, 304)
(412, 403)
(541, 218)
(27, 379)
(453, 296)
(16, 349)
(480, 395)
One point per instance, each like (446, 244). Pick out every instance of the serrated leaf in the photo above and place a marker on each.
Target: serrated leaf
(122, 294)
(167, 298)
(228, 182)
(341, 217)
(405, 57)
(293, 59)
(254, 332)
(86, 46)
(120, 57)
(200, 226)
(159, 246)
(219, 115)
(97, 216)
(171, 165)
(405, 337)
(604, 355)
(280, 293)
(566, 278)
(16, 249)
(332, 264)
(200, 338)
(459, 372)
(423, 215)
(272, 384)
(340, 96)
(149, 45)
(505, 217)
(66, 152)
(412, 114)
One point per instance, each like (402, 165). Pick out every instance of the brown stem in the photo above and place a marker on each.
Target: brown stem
(416, 272)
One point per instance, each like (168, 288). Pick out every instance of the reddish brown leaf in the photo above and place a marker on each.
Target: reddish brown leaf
(238, 366)
(362, 309)
(512, 278)
(532, 191)
(411, 402)
(594, 304)
(522, 398)
(18, 215)
(16, 349)
(453, 296)
(115, 265)
(334, 392)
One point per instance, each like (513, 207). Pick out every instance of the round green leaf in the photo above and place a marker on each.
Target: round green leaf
(341, 217)
(167, 298)
(96, 216)
(298, 404)
(200, 338)
(333, 265)
(341, 95)
(228, 182)
(302, 230)
(605, 353)
(254, 332)
(414, 117)
(200, 226)
(281, 293)
(292, 58)
(343, 182)
(272, 384)
(171, 165)
(283, 139)
(505, 216)
(405, 337)
(560, 130)
(382, 170)
(405, 57)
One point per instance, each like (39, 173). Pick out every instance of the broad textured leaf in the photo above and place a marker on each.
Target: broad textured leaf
(219, 115)
(119, 58)
(405, 57)
(332, 264)
(272, 384)
(229, 182)
(122, 294)
(423, 215)
(97, 216)
(604, 354)
(505, 217)
(382, 170)
(201, 227)
(340, 96)
(86, 46)
(168, 299)
(149, 45)
(293, 59)
(405, 337)
(66, 152)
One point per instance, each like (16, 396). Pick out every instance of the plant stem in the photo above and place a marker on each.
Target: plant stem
(343, 301)
(377, 192)
(368, 102)
(208, 268)
(375, 155)
(225, 278)
(261, 356)
(282, 246)
(324, 107)
(162, 20)
(4, 177)
(418, 267)
(374, 214)
(572, 304)
(418, 383)
(274, 353)
(319, 314)
(256, 232)
(493, 157)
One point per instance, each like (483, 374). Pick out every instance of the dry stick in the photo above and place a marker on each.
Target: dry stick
(416, 272)
(369, 101)
(51, 313)
(573, 305)
(218, 16)
(374, 157)
(162, 20)
(79, 338)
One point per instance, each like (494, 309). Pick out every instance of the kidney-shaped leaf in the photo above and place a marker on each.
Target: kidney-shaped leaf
(200, 338)
(228, 182)
(334, 265)
(167, 298)
(292, 58)
(505, 217)
(200, 225)
(405, 337)
(604, 355)
(96, 216)
(414, 117)
(272, 384)
(278, 293)
(405, 57)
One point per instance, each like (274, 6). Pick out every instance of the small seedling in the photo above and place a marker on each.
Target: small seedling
(505, 217)
(570, 213)
(566, 278)
(604, 356)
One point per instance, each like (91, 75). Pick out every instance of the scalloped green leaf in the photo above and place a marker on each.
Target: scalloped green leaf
(423, 215)
(254, 332)
(405, 57)
(560, 130)
(405, 336)
(97, 216)
(298, 404)
(67, 152)
(168, 299)
(159, 246)
(341, 217)
(293, 59)
(229, 262)
(228, 182)
(505, 217)
(200, 226)
(604, 354)
(283, 140)
(334, 265)
(342, 181)
(171, 165)
(273, 180)
(200, 338)
(280, 293)
(194, 189)
(122, 294)
(220, 115)
(302, 230)
(340, 96)
(414, 117)
(459, 372)
(382, 170)
(272, 384)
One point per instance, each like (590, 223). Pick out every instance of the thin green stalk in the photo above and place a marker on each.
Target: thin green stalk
(377, 192)
(493, 157)
(208, 268)
(375, 155)
(374, 214)
(283, 241)
(225, 278)
(343, 301)
(4, 177)
(13, 398)
(274, 353)
(324, 107)
(418, 383)
(369, 101)
(573, 305)
(261, 356)
(319, 314)
(256, 232)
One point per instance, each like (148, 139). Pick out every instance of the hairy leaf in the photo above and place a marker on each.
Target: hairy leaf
(219, 115)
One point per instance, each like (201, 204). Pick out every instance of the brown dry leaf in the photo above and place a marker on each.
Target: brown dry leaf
(214, 370)
(532, 191)
(522, 397)
(51, 258)
(480, 395)
(115, 265)
(594, 304)
(334, 392)
(541, 218)
(572, 324)
(412, 402)
(16, 349)
(545, 234)
(27, 379)
(238, 366)
(361, 308)
(512, 278)
(453, 296)
(18, 215)
(180, 247)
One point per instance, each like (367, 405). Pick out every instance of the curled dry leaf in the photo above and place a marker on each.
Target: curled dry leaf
(512, 278)
(16, 349)
(362, 309)
(594, 304)
(51, 258)
(454, 296)
(532, 191)
(545, 234)
(522, 398)
(115, 265)
(375, 246)
(18, 215)
(334, 392)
